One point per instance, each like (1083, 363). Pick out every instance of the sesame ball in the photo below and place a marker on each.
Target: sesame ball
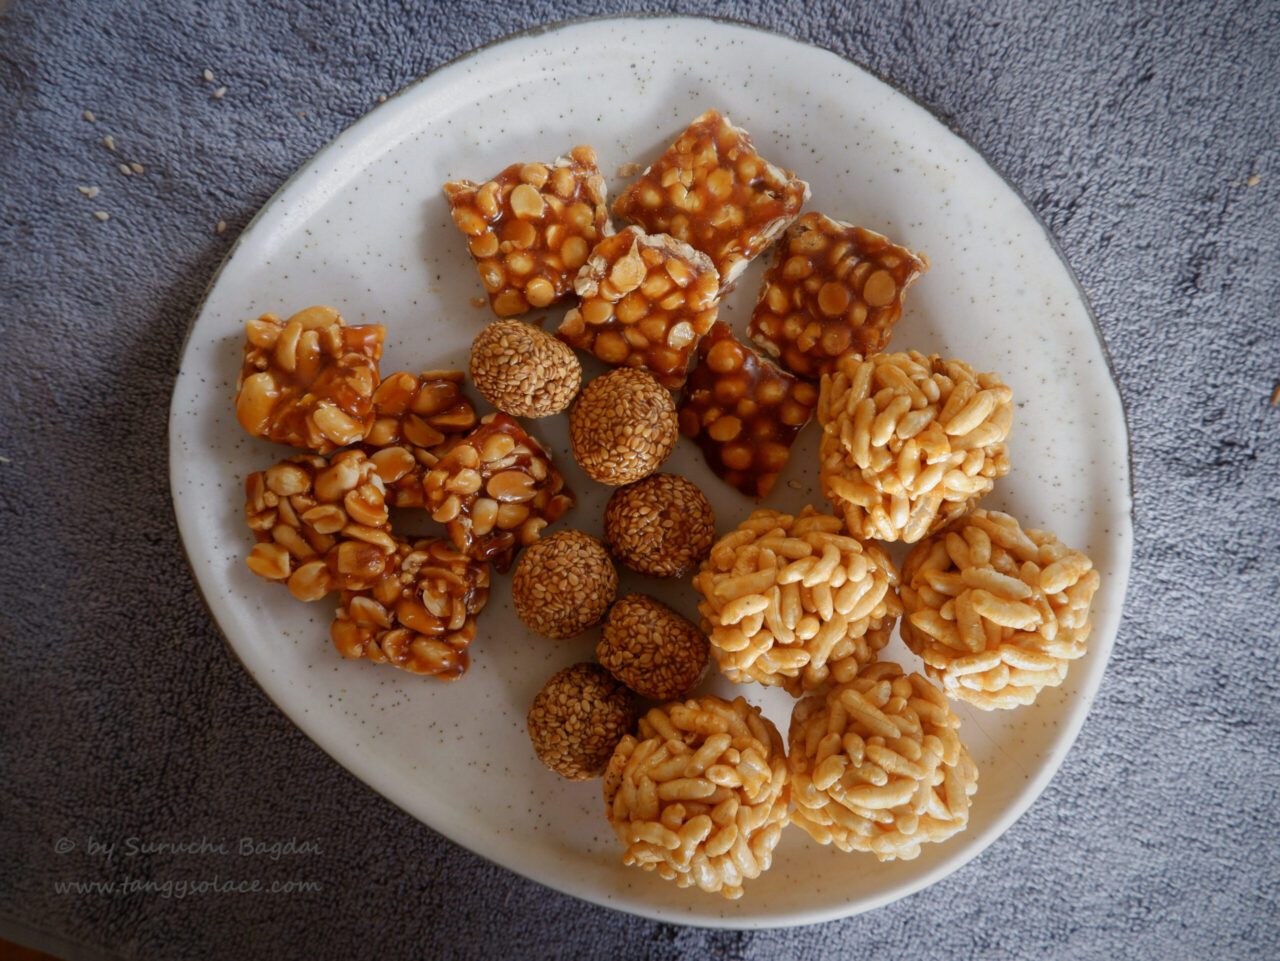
(524, 371)
(564, 584)
(577, 720)
(652, 649)
(623, 426)
(662, 526)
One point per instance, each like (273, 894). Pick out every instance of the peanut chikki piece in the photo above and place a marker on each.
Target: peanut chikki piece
(832, 287)
(645, 302)
(321, 523)
(420, 615)
(530, 228)
(308, 381)
(495, 490)
(414, 419)
(713, 191)
(743, 411)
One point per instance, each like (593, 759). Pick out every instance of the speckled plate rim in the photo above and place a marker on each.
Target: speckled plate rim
(1101, 643)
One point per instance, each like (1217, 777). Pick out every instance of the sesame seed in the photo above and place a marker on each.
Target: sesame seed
(89, 192)
(136, 167)
(1254, 180)
(222, 225)
(109, 142)
(102, 215)
(219, 93)
(88, 115)
(208, 75)
(125, 169)
(382, 98)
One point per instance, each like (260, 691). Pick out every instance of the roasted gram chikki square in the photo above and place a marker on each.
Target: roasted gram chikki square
(832, 288)
(531, 227)
(713, 191)
(743, 412)
(645, 302)
(308, 381)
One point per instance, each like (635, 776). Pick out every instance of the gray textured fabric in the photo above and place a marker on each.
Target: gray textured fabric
(1145, 135)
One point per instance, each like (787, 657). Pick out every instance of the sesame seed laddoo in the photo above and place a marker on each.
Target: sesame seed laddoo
(564, 584)
(577, 720)
(662, 525)
(652, 649)
(623, 426)
(524, 371)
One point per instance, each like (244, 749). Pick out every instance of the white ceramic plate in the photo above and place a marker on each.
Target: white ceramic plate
(363, 226)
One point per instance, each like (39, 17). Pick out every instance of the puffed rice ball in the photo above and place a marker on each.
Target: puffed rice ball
(564, 584)
(910, 442)
(700, 794)
(623, 426)
(652, 649)
(577, 720)
(794, 602)
(524, 371)
(877, 765)
(996, 612)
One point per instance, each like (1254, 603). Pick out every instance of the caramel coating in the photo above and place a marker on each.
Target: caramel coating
(662, 526)
(523, 371)
(577, 720)
(623, 426)
(652, 649)
(564, 584)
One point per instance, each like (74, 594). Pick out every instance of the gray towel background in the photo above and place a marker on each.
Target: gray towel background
(1145, 134)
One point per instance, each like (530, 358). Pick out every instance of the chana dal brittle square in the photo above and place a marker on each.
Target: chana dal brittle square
(712, 190)
(743, 412)
(308, 381)
(833, 287)
(531, 227)
(645, 302)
